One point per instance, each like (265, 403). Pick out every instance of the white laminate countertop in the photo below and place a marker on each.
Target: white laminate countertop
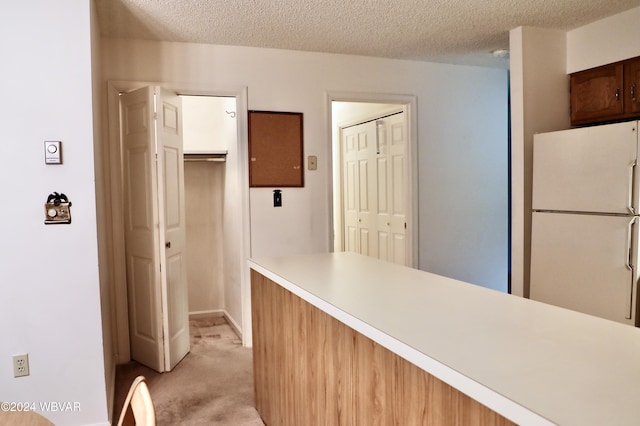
(533, 363)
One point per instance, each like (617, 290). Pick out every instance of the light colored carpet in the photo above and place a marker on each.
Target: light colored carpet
(212, 385)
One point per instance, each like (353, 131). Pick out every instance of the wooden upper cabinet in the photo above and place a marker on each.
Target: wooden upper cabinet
(632, 86)
(606, 93)
(596, 94)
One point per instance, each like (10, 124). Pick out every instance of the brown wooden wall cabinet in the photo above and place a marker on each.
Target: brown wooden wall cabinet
(275, 149)
(311, 369)
(632, 87)
(606, 93)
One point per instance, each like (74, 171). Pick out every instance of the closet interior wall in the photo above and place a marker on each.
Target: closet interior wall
(210, 130)
(204, 198)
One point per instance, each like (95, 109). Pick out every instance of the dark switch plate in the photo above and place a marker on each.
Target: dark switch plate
(277, 198)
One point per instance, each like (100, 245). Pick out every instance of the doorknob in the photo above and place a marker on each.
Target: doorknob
(168, 244)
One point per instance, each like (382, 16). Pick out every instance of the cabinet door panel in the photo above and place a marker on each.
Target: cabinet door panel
(632, 87)
(597, 94)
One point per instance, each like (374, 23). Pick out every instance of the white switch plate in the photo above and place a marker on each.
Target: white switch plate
(312, 162)
(53, 152)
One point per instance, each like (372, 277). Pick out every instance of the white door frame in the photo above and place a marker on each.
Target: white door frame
(409, 105)
(113, 168)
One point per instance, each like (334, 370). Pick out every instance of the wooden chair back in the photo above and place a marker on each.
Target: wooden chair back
(23, 418)
(139, 404)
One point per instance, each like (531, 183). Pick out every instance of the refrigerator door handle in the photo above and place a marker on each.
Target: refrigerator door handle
(632, 174)
(630, 264)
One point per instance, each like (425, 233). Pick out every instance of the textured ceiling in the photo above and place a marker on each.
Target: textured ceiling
(450, 31)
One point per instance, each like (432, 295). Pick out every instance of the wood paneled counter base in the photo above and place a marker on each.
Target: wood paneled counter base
(311, 369)
(345, 339)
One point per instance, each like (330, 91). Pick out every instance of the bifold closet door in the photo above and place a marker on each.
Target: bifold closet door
(154, 227)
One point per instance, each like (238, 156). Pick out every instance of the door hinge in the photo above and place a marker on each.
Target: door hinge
(405, 225)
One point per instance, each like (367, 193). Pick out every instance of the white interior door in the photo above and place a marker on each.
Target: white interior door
(373, 187)
(155, 229)
(391, 212)
(359, 188)
(172, 215)
(586, 263)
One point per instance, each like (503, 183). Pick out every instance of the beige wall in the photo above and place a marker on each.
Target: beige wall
(50, 275)
(539, 103)
(103, 219)
(602, 42)
(209, 123)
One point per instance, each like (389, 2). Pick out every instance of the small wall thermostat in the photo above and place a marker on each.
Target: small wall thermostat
(53, 152)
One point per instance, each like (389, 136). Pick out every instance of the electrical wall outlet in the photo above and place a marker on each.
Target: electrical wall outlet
(20, 365)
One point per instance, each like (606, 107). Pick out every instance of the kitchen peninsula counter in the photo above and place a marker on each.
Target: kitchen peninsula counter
(532, 363)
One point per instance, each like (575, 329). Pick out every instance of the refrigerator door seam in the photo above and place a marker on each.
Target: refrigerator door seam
(584, 213)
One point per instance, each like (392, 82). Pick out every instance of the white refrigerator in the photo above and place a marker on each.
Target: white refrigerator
(584, 235)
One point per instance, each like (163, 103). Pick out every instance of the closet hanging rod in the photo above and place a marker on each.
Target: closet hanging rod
(373, 119)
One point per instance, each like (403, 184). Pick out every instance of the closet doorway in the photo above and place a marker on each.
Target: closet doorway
(373, 180)
(210, 132)
(227, 199)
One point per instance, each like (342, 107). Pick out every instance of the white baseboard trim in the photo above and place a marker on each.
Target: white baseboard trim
(217, 313)
(111, 391)
(233, 324)
(213, 313)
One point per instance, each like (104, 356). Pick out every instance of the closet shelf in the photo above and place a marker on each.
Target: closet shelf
(218, 156)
